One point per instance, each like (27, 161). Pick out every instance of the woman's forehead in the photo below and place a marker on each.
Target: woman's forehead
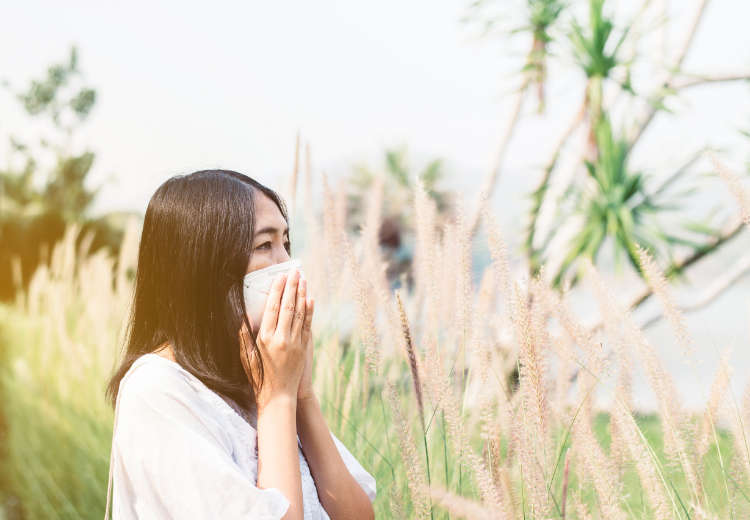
(267, 213)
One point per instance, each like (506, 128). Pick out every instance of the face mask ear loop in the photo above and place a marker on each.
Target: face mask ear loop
(112, 450)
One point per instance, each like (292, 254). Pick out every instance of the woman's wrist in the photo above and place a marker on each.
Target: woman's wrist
(306, 400)
(282, 400)
(306, 394)
(306, 413)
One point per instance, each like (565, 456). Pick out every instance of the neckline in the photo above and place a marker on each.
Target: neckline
(218, 397)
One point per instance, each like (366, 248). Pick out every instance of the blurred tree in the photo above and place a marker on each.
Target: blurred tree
(617, 203)
(539, 19)
(597, 56)
(399, 185)
(602, 198)
(397, 214)
(59, 98)
(37, 202)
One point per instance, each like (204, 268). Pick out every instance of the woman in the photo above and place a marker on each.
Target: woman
(215, 416)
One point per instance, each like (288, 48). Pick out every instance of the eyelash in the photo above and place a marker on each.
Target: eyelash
(262, 246)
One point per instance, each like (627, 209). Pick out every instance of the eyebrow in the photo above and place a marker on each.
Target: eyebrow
(271, 229)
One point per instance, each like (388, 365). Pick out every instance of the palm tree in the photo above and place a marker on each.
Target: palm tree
(616, 203)
(541, 15)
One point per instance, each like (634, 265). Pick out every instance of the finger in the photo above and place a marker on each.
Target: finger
(271, 310)
(299, 311)
(309, 309)
(286, 313)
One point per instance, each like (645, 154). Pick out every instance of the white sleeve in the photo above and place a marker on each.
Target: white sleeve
(359, 473)
(172, 459)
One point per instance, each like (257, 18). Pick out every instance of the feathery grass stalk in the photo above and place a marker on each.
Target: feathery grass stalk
(458, 505)
(734, 183)
(416, 477)
(658, 283)
(368, 333)
(411, 355)
(531, 434)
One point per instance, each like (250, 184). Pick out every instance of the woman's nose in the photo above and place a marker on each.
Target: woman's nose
(283, 256)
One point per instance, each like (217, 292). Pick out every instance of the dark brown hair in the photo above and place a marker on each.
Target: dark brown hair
(194, 251)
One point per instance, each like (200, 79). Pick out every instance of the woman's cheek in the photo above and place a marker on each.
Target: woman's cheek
(255, 310)
(261, 260)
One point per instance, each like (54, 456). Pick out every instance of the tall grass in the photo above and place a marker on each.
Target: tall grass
(463, 399)
(58, 347)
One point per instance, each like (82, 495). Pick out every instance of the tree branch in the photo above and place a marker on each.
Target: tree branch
(730, 232)
(721, 284)
(541, 189)
(667, 83)
(491, 179)
(693, 81)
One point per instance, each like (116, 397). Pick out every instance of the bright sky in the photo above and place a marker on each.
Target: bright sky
(183, 86)
(189, 85)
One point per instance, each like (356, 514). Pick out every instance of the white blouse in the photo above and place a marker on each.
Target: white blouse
(180, 450)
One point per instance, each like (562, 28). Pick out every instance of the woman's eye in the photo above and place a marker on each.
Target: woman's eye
(267, 245)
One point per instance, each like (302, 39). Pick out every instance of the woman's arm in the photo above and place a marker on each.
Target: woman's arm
(339, 492)
(278, 460)
(280, 343)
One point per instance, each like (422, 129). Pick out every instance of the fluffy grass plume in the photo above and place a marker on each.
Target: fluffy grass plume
(506, 379)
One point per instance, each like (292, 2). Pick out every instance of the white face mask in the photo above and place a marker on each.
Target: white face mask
(257, 285)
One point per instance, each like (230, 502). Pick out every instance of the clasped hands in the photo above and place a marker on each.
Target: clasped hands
(284, 339)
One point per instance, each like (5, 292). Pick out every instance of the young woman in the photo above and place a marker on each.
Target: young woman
(215, 416)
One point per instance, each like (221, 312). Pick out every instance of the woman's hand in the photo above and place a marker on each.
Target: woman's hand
(305, 389)
(279, 341)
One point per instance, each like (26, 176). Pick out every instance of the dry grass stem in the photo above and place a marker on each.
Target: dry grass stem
(734, 183)
(411, 357)
(416, 478)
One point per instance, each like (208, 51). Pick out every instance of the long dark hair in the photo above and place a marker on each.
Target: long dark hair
(195, 247)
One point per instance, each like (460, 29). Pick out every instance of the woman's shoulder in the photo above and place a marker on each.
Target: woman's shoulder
(161, 383)
(155, 389)
(151, 371)
(156, 380)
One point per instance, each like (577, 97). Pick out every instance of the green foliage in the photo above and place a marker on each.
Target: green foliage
(65, 193)
(44, 95)
(36, 213)
(616, 203)
(540, 17)
(591, 46)
(542, 14)
(66, 104)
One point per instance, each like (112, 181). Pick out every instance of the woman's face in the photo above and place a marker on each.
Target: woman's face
(271, 238)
